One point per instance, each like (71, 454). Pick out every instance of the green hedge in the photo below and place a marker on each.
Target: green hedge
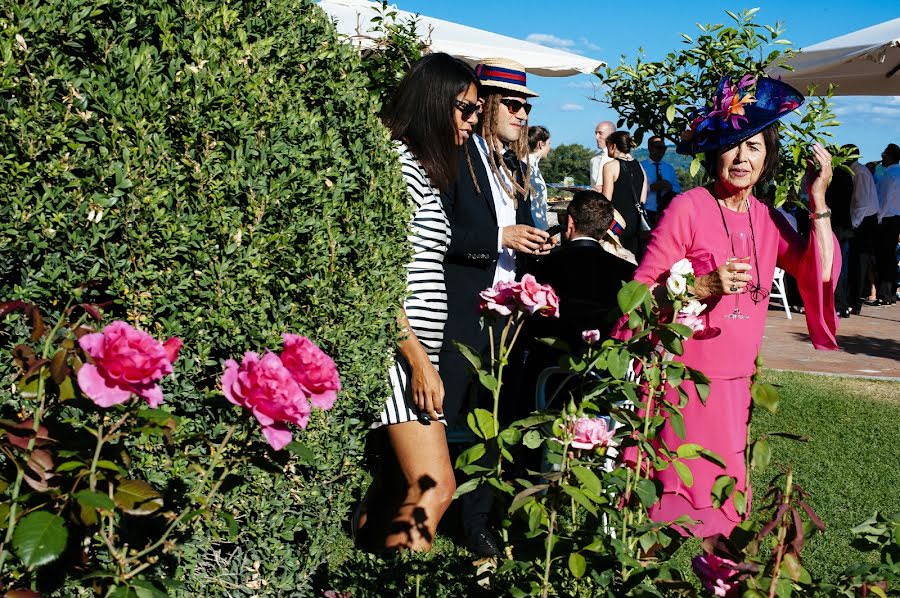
(217, 171)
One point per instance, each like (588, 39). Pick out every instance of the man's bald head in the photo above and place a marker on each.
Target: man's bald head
(603, 130)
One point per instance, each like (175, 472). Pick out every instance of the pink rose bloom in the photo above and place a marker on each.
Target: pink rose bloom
(499, 298)
(536, 297)
(267, 389)
(312, 369)
(590, 336)
(125, 362)
(590, 432)
(717, 574)
(693, 322)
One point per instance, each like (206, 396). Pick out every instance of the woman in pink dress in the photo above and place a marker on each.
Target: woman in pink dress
(739, 139)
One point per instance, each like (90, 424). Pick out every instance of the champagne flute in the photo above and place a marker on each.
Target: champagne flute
(740, 243)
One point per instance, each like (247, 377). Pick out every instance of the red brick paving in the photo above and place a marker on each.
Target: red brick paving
(870, 344)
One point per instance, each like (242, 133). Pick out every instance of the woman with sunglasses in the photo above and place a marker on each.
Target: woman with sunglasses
(738, 137)
(430, 116)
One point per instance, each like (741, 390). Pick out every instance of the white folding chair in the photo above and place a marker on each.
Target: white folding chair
(779, 291)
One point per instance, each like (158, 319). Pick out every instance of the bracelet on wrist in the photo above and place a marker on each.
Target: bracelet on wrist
(820, 215)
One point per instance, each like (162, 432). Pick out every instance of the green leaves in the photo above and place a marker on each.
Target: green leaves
(577, 565)
(765, 396)
(588, 479)
(137, 497)
(761, 454)
(481, 422)
(96, 500)
(470, 354)
(722, 489)
(40, 538)
(219, 174)
(646, 492)
(663, 95)
(532, 439)
(670, 113)
(631, 295)
(684, 472)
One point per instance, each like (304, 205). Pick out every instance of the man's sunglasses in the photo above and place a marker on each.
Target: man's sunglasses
(467, 109)
(515, 105)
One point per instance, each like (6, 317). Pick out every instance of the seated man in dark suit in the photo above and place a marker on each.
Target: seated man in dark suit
(584, 275)
(587, 279)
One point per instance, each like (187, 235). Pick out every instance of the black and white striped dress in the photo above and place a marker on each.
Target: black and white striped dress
(426, 303)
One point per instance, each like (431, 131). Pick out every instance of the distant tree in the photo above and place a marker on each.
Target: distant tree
(661, 96)
(568, 159)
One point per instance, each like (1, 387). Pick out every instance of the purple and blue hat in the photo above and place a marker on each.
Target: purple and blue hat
(739, 112)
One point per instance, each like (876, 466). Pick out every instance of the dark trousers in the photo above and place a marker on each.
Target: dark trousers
(463, 393)
(886, 257)
(842, 288)
(862, 251)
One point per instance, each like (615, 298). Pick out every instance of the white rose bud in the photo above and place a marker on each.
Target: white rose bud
(676, 285)
(682, 267)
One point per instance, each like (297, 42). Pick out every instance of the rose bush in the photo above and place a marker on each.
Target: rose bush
(125, 361)
(312, 369)
(499, 299)
(537, 297)
(590, 336)
(590, 432)
(247, 188)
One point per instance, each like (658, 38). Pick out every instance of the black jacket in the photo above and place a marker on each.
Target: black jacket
(587, 280)
(472, 256)
(469, 269)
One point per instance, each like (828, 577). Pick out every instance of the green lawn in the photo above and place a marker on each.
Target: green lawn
(850, 467)
(851, 464)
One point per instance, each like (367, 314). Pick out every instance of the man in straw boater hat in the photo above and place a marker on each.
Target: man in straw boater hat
(491, 230)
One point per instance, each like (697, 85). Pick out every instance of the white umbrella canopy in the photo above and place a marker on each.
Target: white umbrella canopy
(353, 19)
(862, 63)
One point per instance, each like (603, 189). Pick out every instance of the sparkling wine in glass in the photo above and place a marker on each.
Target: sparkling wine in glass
(740, 244)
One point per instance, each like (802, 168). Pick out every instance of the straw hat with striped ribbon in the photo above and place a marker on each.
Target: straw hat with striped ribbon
(503, 73)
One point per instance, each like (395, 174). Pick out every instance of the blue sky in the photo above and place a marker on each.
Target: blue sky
(607, 30)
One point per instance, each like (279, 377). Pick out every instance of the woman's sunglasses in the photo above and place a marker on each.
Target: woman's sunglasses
(467, 109)
(515, 105)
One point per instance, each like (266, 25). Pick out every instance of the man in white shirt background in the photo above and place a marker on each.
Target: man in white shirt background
(603, 130)
(889, 224)
(662, 182)
(864, 220)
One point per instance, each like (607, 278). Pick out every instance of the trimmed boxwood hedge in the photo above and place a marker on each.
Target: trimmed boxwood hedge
(217, 172)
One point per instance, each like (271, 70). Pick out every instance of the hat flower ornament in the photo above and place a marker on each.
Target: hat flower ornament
(739, 111)
(731, 102)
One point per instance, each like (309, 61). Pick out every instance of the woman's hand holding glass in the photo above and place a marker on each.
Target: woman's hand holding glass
(733, 274)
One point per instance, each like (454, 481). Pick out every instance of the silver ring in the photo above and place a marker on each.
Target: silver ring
(733, 289)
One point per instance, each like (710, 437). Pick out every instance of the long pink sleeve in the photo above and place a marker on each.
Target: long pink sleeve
(692, 227)
(800, 258)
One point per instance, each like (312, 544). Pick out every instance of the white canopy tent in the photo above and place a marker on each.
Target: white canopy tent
(865, 62)
(353, 19)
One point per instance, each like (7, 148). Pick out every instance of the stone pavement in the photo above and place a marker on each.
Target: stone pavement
(870, 344)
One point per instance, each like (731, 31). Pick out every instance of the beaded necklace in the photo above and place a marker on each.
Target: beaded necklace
(756, 292)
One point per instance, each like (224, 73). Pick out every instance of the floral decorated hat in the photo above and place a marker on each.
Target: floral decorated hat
(738, 112)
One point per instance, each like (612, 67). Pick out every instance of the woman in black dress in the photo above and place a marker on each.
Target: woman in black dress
(625, 184)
